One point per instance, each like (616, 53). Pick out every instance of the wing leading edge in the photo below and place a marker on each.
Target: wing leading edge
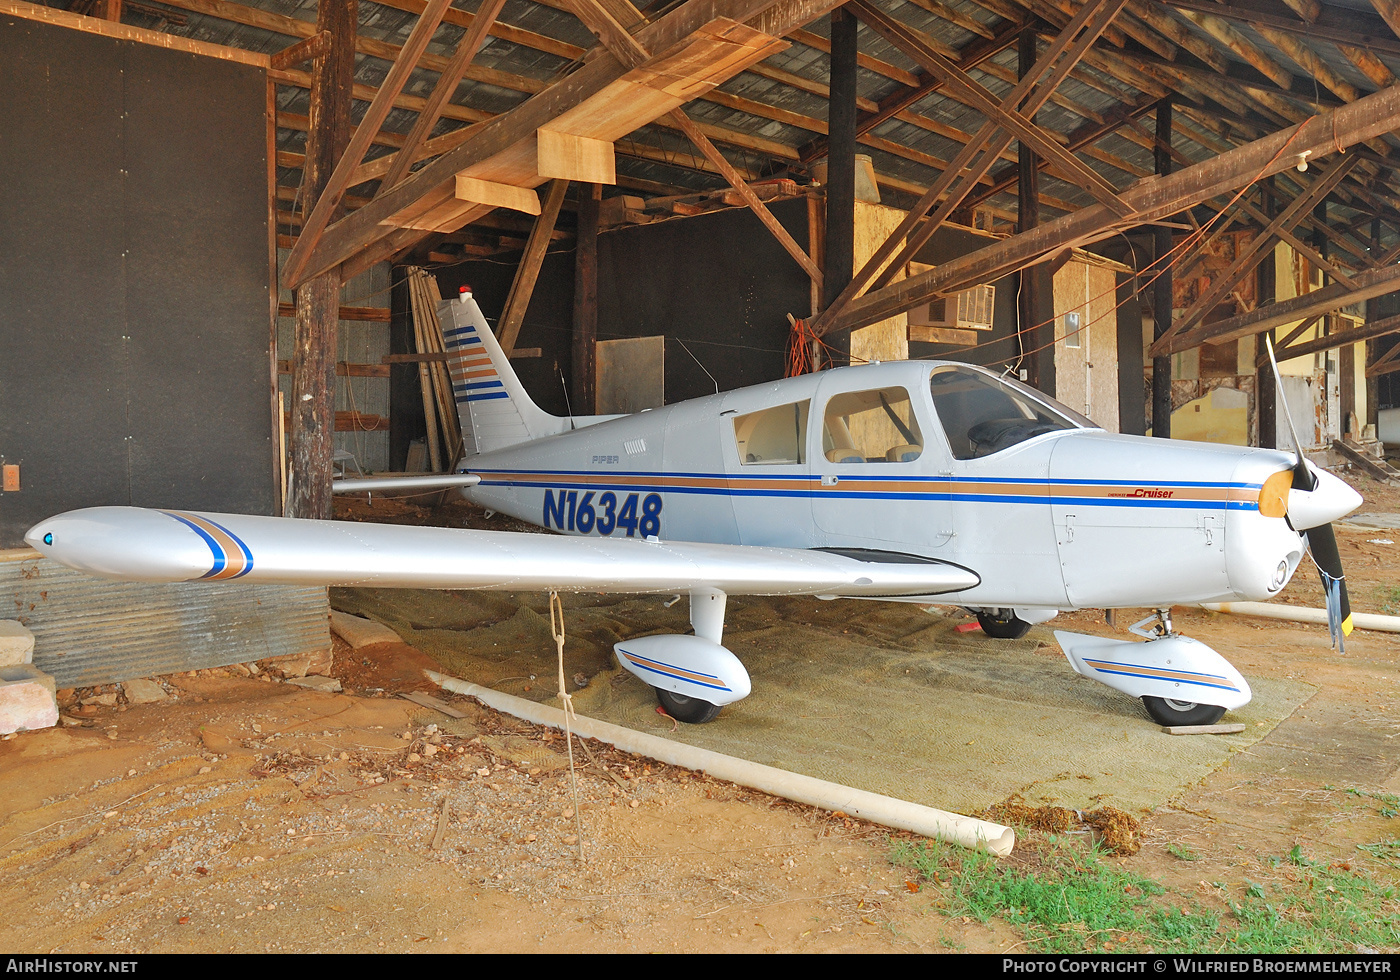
(137, 544)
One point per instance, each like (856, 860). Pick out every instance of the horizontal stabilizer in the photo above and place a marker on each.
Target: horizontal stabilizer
(444, 481)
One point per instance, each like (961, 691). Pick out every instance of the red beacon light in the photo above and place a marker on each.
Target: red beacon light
(464, 293)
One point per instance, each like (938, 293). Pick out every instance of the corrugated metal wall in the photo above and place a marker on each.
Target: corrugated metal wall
(92, 631)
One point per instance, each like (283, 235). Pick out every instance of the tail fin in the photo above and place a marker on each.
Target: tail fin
(491, 402)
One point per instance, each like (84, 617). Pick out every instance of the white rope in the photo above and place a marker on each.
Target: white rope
(556, 626)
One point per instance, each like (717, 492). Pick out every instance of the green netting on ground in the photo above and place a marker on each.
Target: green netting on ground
(881, 696)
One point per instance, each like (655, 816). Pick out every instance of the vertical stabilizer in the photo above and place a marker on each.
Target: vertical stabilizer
(493, 406)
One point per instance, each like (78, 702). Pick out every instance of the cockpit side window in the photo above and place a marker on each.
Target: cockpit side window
(774, 435)
(876, 426)
(982, 416)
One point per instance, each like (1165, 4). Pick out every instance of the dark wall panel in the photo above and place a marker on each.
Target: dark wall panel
(718, 282)
(133, 297)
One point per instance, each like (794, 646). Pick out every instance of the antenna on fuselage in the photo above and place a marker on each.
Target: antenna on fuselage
(567, 407)
(697, 361)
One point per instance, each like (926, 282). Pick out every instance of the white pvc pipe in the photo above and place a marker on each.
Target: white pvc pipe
(1303, 614)
(884, 810)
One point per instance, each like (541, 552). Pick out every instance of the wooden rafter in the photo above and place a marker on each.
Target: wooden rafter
(961, 176)
(1260, 246)
(359, 231)
(1328, 299)
(1354, 335)
(975, 55)
(970, 93)
(446, 85)
(627, 49)
(1342, 25)
(1151, 201)
(528, 273)
(374, 117)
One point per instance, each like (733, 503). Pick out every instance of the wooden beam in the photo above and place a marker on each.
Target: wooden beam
(374, 117)
(528, 273)
(1340, 25)
(443, 91)
(1150, 199)
(360, 231)
(362, 314)
(974, 55)
(1081, 138)
(1376, 328)
(494, 195)
(125, 32)
(295, 27)
(569, 157)
(1328, 299)
(1261, 246)
(960, 177)
(344, 369)
(307, 49)
(736, 181)
(969, 93)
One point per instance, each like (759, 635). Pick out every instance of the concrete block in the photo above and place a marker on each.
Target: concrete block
(26, 699)
(16, 643)
(360, 632)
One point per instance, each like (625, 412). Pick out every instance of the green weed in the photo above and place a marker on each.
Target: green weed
(1390, 599)
(1182, 852)
(1389, 802)
(1072, 900)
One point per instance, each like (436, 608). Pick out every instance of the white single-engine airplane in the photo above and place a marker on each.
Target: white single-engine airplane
(913, 481)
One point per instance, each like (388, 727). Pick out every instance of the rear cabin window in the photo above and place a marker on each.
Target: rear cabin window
(773, 436)
(876, 426)
(982, 415)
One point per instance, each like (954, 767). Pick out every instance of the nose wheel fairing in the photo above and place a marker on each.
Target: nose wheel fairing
(1174, 669)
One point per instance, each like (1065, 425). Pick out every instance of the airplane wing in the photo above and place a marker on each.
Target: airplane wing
(136, 544)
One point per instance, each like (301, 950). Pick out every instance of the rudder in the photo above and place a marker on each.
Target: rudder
(493, 406)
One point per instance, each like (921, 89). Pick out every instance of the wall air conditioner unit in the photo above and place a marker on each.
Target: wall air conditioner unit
(954, 319)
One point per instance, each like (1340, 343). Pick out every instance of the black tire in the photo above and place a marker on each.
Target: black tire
(692, 711)
(1165, 711)
(1003, 627)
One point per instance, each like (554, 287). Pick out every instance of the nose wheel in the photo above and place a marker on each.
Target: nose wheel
(692, 711)
(1165, 711)
(1169, 711)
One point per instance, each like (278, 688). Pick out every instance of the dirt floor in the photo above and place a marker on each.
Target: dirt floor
(243, 812)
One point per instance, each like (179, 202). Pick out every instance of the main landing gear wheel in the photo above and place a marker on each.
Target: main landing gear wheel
(1008, 627)
(692, 711)
(1165, 711)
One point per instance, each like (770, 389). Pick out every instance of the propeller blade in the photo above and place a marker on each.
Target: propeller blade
(1322, 541)
(1302, 476)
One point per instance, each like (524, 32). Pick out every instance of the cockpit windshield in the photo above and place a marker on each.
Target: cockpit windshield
(982, 414)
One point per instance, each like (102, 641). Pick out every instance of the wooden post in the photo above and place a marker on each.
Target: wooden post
(1372, 349)
(583, 399)
(528, 272)
(1265, 388)
(318, 299)
(1162, 292)
(1034, 297)
(839, 252)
